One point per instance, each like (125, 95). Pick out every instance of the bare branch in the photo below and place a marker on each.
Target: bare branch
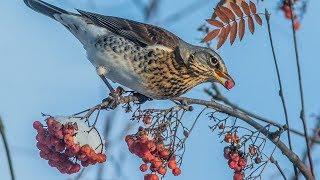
(6, 147)
(267, 15)
(302, 113)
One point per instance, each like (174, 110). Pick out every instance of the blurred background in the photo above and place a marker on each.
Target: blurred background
(43, 68)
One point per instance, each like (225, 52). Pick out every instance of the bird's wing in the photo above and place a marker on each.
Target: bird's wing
(139, 33)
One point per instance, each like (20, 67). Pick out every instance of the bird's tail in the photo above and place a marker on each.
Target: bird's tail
(45, 8)
(85, 32)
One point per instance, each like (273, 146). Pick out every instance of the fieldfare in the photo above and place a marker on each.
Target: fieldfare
(145, 58)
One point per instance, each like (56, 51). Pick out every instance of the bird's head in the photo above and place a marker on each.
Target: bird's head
(208, 63)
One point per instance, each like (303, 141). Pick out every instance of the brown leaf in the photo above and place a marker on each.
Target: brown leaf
(221, 15)
(233, 32)
(241, 29)
(215, 22)
(236, 9)
(228, 13)
(251, 24)
(222, 37)
(211, 35)
(245, 8)
(253, 7)
(258, 19)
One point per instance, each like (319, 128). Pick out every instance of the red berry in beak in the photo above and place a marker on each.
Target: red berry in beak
(229, 84)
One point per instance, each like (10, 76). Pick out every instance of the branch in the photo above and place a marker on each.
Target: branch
(218, 96)
(6, 147)
(267, 15)
(238, 114)
(302, 113)
(112, 102)
(315, 135)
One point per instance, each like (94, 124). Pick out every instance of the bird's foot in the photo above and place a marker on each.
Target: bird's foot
(114, 97)
(141, 98)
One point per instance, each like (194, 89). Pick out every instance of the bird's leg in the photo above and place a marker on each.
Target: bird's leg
(102, 71)
(114, 94)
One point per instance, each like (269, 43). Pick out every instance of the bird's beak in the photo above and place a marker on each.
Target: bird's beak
(224, 79)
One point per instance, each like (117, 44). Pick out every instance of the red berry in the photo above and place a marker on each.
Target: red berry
(172, 164)
(143, 167)
(152, 146)
(37, 125)
(102, 158)
(165, 153)
(233, 164)
(296, 25)
(143, 138)
(176, 171)
(234, 156)
(156, 163)
(242, 162)
(151, 177)
(238, 176)
(43, 155)
(162, 171)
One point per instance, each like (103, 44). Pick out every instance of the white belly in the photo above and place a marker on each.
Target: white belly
(119, 70)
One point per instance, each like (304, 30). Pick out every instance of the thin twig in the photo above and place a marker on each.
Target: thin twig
(267, 15)
(275, 162)
(302, 113)
(218, 96)
(315, 134)
(6, 147)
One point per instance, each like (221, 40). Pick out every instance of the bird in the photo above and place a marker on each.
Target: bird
(144, 58)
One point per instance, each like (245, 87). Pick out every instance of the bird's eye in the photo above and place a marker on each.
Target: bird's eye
(214, 61)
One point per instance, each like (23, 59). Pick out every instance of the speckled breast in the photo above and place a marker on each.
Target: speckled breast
(152, 70)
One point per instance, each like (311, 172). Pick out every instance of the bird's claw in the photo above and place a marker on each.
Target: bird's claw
(141, 98)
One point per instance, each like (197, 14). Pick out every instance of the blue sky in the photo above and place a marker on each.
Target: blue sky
(43, 68)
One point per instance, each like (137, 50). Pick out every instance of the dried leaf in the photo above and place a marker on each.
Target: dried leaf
(215, 22)
(221, 15)
(245, 8)
(222, 37)
(251, 24)
(211, 35)
(253, 7)
(228, 13)
(241, 29)
(236, 9)
(258, 19)
(233, 32)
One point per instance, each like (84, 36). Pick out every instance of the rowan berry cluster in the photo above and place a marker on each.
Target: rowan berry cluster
(155, 155)
(285, 8)
(62, 143)
(236, 161)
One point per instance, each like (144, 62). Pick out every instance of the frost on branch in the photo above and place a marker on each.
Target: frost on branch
(67, 142)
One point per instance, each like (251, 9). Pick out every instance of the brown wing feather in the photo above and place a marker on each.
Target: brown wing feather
(139, 33)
